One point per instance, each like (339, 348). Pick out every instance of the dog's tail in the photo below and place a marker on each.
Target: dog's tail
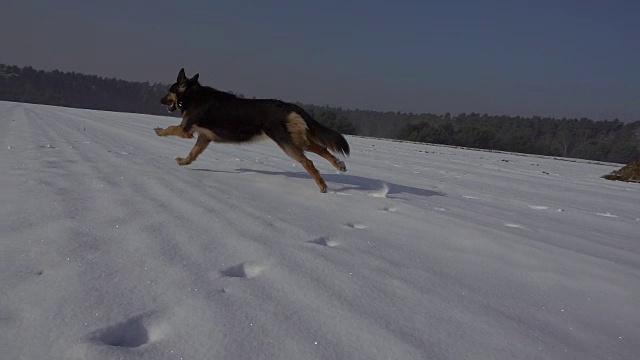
(326, 137)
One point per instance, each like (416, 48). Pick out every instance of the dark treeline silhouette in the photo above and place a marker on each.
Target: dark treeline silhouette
(76, 90)
(612, 140)
(584, 138)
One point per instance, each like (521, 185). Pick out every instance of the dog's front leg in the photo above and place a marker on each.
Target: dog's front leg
(175, 130)
(201, 144)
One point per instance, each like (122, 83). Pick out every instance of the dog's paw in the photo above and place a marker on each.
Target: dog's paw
(182, 161)
(341, 166)
(159, 131)
(323, 187)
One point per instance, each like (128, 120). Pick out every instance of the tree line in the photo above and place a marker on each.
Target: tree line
(607, 140)
(76, 90)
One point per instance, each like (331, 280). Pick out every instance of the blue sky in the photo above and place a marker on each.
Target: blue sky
(548, 58)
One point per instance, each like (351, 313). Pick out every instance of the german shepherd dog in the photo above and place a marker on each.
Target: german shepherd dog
(223, 117)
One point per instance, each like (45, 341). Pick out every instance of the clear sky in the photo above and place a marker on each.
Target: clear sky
(549, 58)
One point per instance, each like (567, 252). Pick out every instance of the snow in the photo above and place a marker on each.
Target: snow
(110, 250)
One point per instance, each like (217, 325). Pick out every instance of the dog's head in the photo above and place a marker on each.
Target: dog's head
(172, 99)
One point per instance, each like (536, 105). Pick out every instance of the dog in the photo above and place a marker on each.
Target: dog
(222, 117)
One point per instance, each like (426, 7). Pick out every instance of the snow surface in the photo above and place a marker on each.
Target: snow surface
(110, 250)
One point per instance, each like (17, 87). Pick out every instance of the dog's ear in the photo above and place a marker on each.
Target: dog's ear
(195, 77)
(181, 76)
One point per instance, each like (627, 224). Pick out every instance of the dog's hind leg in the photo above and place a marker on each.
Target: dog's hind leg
(198, 148)
(322, 151)
(298, 154)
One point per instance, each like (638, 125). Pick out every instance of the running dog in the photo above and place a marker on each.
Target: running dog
(222, 117)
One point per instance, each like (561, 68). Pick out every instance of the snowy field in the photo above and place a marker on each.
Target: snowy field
(110, 250)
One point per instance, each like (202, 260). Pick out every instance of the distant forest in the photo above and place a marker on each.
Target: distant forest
(606, 140)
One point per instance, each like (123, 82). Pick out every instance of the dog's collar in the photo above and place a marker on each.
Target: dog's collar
(180, 105)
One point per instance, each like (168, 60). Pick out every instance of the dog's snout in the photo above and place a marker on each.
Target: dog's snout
(163, 101)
